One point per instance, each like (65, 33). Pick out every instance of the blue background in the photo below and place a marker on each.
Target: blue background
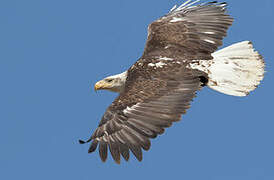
(53, 51)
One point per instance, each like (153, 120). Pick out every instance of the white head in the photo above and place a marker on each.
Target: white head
(115, 83)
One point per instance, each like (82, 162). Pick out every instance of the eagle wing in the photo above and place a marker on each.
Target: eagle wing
(188, 32)
(152, 100)
(158, 91)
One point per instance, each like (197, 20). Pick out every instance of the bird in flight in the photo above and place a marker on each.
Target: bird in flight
(180, 57)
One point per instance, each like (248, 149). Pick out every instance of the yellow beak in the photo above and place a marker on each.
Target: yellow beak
(100, 85)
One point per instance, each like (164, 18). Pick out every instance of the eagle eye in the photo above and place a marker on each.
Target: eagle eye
(109, 80)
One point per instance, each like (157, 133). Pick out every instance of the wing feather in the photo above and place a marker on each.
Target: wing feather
(142, 130)
(93, 146)
(139, 113)
(188, 32)
(114, 149)
(103, 150)
(157, 91)
(124, 151)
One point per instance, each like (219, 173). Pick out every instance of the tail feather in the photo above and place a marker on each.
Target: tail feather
(236, 70)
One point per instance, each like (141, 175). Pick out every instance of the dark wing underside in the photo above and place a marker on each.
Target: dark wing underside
(152, 100)
(188, 32)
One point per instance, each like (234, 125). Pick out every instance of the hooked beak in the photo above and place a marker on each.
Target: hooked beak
(100, 85)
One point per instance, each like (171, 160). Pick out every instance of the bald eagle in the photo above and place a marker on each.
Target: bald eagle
(179, 59)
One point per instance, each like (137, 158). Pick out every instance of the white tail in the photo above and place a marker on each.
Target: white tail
(236, 70)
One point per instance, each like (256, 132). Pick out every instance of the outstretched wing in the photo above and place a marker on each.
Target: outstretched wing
(156, 94)
(188, 32)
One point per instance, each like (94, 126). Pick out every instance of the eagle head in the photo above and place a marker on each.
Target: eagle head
(115, 83)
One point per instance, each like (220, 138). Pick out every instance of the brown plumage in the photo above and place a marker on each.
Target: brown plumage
(159, 87)
(188, 33)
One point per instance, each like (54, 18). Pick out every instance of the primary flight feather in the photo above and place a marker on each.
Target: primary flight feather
(179, 58)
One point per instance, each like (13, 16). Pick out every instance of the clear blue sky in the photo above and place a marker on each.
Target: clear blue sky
(53, 51)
